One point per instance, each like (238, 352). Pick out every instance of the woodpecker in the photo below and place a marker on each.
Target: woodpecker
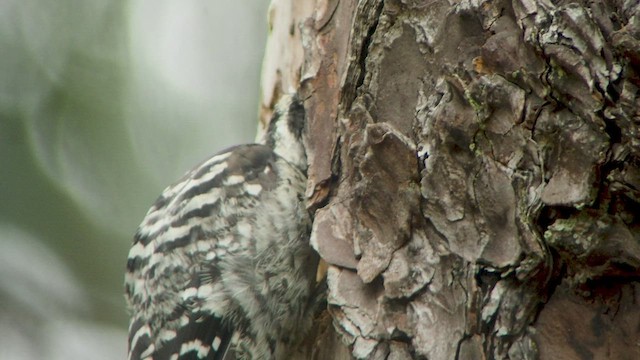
(221, 266)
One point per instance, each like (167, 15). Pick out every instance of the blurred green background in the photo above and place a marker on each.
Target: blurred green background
(102, 104)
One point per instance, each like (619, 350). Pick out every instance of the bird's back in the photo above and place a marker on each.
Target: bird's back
(222, 260)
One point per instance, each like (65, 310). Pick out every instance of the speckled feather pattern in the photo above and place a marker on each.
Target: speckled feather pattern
(221, 263)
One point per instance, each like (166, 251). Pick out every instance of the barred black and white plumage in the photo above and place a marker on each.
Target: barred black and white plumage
(221, 266)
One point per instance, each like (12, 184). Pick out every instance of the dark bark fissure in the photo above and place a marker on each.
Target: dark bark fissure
(364, 50)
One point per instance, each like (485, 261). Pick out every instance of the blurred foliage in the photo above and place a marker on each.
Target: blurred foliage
(102, 104)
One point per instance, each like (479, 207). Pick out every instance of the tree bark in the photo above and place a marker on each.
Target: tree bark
(473, 171)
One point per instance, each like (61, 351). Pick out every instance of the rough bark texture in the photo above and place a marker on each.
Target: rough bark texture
(474, 173)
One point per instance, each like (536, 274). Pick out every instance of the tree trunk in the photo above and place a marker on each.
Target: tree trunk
(473, 170)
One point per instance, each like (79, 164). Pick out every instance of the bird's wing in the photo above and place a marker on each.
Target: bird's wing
(173, 284)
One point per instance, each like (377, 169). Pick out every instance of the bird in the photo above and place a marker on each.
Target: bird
(221, 266)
